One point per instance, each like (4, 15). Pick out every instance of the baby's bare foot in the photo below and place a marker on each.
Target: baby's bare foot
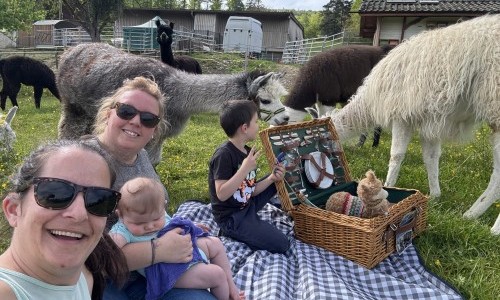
(236, 294)
(240, 295)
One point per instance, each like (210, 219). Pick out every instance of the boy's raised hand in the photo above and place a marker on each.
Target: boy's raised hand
(250, 162)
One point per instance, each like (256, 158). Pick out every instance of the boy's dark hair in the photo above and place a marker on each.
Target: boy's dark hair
(235, 113)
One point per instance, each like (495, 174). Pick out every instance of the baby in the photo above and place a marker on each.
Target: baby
(142, 217)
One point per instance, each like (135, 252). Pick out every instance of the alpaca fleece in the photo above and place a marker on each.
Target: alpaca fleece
(441, 83)
(89, 72)
(17, 70)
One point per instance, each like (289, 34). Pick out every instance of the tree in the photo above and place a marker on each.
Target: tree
(168, 4)
(194, 4)
(335, 16)
(255, 5)
(19, 14)
(236, 5)
(311, 20)
(93, 15)
(51, 8)
(216, 5)
(354, 21)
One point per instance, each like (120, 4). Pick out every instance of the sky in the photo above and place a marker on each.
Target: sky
(295, 4)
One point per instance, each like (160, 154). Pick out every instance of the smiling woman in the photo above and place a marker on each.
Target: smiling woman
(57, 205)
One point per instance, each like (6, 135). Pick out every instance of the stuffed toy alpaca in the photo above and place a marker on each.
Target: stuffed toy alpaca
(370, 202)
(7, 135)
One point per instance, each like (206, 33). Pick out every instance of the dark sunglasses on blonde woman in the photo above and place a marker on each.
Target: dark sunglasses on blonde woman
(128, 112)
(55, 193)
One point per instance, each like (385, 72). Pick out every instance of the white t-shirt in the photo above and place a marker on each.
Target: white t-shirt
(29, 288)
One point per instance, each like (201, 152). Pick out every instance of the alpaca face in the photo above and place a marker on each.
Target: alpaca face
(377, 198)
(269, 97)
(164, 35)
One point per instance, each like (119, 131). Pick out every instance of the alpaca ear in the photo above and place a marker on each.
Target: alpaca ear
(11, 114)
(172, 25)
(158, 23)
(370, 175)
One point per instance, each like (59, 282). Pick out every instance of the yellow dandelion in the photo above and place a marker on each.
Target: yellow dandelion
(437, 263)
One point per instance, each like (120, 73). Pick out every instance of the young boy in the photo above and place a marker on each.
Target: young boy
(142, 217)
(235, 194)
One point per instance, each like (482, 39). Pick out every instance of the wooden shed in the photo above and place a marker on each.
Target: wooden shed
(47, 33)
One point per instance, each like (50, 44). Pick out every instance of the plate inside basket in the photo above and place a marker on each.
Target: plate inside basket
(313, 174)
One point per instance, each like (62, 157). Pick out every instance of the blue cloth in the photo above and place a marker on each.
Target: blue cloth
(135, 289)
(161, 277)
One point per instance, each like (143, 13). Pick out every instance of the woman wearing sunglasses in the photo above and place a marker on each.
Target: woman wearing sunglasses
(125, 122)
(58, 203)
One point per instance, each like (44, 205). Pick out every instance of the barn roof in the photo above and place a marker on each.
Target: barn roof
(55, 23)
(430, 6)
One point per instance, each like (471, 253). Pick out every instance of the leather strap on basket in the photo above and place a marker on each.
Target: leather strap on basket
(287, 148)
(393, 229)
(322, 170)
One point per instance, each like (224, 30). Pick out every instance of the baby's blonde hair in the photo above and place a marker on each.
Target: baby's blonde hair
(141, 195)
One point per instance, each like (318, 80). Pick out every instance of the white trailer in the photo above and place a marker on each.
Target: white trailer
(243, 34)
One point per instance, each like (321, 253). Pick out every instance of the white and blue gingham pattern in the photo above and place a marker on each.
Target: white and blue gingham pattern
(309, 272)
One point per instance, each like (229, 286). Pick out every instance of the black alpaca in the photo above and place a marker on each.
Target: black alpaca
(19, 69)
(333, 77)
(164, 38)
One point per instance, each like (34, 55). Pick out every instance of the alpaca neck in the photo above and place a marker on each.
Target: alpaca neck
(167, 56)
(353, 118)
(206, 93)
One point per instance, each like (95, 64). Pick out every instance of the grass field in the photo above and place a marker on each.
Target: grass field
(462, 252)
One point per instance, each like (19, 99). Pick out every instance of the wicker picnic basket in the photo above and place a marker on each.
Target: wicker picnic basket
(364, 241)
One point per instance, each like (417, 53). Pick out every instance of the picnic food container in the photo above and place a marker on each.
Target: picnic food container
(304, 193)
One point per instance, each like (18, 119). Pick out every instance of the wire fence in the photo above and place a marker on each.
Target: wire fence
(293, 52)
(299, 52)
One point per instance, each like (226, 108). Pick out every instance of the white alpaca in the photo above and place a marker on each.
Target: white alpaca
(7, 135)
(441, 83)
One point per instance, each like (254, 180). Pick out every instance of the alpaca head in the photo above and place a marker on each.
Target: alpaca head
(7, 135)
(266, 90)
(164, 35)
(370, 190)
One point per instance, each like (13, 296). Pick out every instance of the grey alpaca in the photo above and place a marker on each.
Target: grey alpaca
(17, 70)
(333, 77)
(89, 72)
(165, 39)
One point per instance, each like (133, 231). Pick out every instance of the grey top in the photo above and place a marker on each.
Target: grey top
(142, 167)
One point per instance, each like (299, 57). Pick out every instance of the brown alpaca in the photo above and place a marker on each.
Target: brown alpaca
(370, 202)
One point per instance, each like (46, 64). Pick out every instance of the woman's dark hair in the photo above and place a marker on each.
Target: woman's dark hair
(107, 261)
(22, 179)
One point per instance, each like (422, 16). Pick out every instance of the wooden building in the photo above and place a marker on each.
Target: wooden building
(52, 33)
(393, 21)
(277, 27)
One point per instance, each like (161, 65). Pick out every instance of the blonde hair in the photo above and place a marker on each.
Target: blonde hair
(138, 83)
(141, 195)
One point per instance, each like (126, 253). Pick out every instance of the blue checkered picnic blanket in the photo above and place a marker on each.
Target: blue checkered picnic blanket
(309, 272)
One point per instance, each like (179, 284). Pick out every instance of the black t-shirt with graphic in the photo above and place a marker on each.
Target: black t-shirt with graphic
(224, 163)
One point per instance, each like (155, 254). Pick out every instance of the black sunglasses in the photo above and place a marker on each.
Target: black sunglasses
(54, 193)
(128, 112)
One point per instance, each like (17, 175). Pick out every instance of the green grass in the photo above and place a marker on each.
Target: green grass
(462, 252)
